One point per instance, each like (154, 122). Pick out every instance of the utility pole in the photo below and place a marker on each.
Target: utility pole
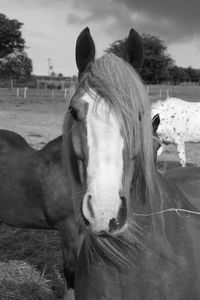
(50, 66)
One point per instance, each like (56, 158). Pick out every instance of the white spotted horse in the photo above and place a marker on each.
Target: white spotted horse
(141, 230)
(179, 123)
(34, 193)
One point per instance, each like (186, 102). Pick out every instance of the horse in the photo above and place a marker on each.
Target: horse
(34, 193)
(179, 123)
(141, 232)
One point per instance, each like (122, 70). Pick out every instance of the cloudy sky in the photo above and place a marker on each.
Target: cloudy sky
(52, 26)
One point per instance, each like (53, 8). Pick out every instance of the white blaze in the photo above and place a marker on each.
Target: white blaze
(105, 163)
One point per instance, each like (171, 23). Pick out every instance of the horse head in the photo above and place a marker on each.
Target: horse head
(102, 130)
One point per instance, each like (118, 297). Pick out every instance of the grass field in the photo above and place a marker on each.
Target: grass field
(39, 119)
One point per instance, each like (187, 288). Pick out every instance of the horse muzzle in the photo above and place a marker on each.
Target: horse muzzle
(104, 220)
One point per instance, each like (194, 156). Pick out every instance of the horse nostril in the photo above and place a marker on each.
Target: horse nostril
(89, 212)
(123, 212)
(117, 223)
(87, 223)
(89, 206)
(113, 225)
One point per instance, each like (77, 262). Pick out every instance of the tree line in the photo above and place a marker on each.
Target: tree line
(158, 66)
(14, 61)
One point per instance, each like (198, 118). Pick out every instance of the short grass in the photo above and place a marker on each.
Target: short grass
(41, 250)
(189, 93)
(37, 252)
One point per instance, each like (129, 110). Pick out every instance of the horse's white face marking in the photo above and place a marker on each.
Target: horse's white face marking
(105, 164)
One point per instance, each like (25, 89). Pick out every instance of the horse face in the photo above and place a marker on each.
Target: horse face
(99, 149)
(98, 146)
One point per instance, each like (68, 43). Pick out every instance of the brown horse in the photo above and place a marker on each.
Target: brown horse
(34, 193)
(141, 229)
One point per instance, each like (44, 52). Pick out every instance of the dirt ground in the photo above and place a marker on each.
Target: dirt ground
(192, 154)
(38, 122)
(41, 120)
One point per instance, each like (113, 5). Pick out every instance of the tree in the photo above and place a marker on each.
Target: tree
(116, 47)
(156, 59)
(10, 36)
(193, 74)
(178, 75)
(14, 62)
(16, 65)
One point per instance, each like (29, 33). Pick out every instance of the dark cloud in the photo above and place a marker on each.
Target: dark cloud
(172, 20)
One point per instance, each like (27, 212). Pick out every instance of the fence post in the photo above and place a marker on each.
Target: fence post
(65, 93)
(11, 83)
(167, 94)
(52, 93)
(62, 84)
(160, 93)
(25, 92)
(17, 92)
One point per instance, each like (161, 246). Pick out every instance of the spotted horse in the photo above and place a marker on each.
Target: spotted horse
(179, 123)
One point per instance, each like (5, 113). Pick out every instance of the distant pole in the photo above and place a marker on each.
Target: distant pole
(25, 92)
(52, 93)
(62, 84)
(65, 93)
(17, 92)
(160, 93)
(167, 93)
(49, 66)
(11, 83)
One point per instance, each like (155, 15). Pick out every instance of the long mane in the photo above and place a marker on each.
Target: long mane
(120, 86)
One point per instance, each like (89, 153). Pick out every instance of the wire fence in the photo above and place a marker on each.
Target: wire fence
(34, 95)
(38, 82)
(26, 90)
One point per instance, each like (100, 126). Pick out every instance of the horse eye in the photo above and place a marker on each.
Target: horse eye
(73, 112)
(133, 157)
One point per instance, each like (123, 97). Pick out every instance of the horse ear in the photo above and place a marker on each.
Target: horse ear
(155, 123)
(134, 50)
(85, 50)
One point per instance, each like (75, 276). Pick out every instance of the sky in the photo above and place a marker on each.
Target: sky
(51, 27)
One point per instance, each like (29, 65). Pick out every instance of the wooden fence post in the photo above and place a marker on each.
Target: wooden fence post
(25, 92)
(65, 93)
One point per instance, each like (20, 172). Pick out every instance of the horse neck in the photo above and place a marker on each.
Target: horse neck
(52, 151)
(141, 195)
(147, 205)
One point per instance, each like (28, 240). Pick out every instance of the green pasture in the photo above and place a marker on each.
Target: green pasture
(155, 92)
(38, 252)
(184, 92)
